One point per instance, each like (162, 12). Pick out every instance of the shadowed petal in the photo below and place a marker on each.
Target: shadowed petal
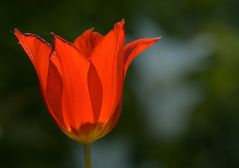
(38, 51)
(87, 42)
(95, 91)
(112, 120)
(107, 58)
(132, 49)
(54, 88)
(76, 103)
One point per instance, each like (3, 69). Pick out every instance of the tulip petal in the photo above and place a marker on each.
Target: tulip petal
(107, 58)
(87, 42)
(38, 51)
(75, 98)
(54, 90)
(132, 49)
(95, 91)
(112, 121)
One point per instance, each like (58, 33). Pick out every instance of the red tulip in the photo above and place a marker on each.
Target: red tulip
(82, 82)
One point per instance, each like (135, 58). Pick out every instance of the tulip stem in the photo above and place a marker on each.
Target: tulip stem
(87, 155)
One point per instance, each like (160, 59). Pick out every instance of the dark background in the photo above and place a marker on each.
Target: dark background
(181, 97)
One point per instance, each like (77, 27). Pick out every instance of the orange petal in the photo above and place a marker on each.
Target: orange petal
(132, 49)
(95, 91)
(107, 58)
(54, 91)
(87, 42)
(74, 67)
(38, 51)
(112, 121)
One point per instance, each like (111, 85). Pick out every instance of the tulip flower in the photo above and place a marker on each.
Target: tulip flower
(82, 82)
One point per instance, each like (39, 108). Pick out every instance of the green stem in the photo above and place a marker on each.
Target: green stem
(87, 156)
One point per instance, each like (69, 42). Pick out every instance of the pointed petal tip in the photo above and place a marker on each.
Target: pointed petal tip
(18, 34)
(120, 23)
(158, 38)
(155, 39)
(21, 35)
(120, 26)
(16, 31)
(59, 40)
(90, 30)
(56, 37)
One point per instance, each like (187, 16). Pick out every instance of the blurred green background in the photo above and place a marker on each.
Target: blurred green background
(181, 97)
